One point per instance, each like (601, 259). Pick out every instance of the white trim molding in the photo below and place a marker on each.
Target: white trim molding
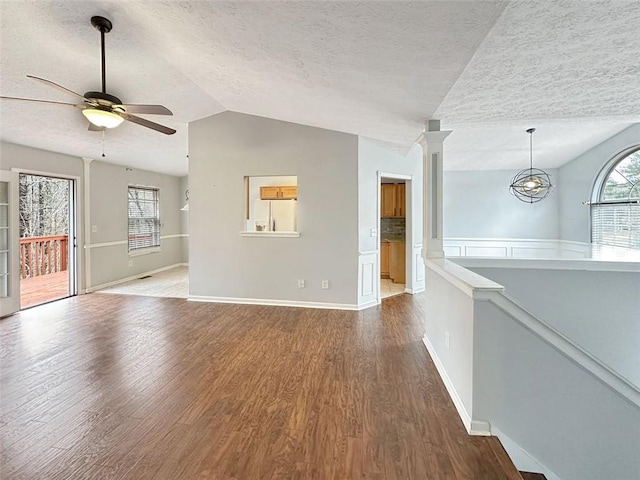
(368, 279)
(522, 459)
(271, 234)
(473, 427)
(134, 277)
(275, 303)
(516, 248)
(174, 235)
(125, 242)
(469, 282)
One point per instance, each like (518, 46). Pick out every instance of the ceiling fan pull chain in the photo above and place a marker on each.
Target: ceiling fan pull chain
(103, 155)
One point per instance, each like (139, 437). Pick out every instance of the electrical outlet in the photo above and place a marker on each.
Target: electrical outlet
(300, 283)
(373, 232)
(446, 340)
(325, 284)
(131, 263)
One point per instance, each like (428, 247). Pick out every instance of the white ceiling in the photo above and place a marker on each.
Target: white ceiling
(488, 69)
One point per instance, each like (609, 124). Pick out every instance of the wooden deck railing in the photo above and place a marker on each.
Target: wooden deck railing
(43, 255)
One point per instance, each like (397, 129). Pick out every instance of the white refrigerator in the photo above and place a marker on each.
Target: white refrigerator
(275, 215)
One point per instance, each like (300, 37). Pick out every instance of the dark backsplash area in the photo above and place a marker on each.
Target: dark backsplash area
(394, 227)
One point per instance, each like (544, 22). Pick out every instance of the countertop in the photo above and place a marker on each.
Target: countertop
(392, 239)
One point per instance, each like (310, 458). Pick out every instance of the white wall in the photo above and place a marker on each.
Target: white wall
(577, 179)
(450, 312)
(597, 310)
(225, 266)
(108, 211)
(184, 220)
(108, 215)
(505, 369)
(27, 158)
(477, 204)
(373, 159)
(560, 414)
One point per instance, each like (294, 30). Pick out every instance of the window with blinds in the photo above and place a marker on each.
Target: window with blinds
(144, 218)
(615, 217)
(616, 224)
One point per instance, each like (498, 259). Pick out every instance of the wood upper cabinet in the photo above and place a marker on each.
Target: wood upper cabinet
(393, 200)
(269, 193)
(287, 192)
(388, 204)
(401, 202)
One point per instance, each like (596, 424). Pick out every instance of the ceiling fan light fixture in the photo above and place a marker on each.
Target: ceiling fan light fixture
(102, 118)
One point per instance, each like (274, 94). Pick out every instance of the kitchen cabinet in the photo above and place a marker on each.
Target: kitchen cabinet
(384, 259)
(388, 204)
(401, 202)
(393, 261)
(287, 192)
(393, 202)
(397, 262)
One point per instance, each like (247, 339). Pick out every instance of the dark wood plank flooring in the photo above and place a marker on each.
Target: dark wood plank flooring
(108, 386)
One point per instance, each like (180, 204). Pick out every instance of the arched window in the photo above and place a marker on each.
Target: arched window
(615, 209)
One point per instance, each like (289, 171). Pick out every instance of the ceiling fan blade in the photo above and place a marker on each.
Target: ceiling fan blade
(44, 101)
(147, 123)
(59, 87)
(146, 109)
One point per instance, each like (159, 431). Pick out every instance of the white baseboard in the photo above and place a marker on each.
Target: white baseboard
(134, 277)
(276, 303)
(521, 458)
(369, 304)
(474, 427)
(414, 291)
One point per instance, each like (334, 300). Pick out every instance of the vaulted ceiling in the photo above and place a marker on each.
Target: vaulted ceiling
(487, 69)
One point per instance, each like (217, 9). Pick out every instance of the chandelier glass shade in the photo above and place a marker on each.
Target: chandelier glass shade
(531, 184)
(102, 118)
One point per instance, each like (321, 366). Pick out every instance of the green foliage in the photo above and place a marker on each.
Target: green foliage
(623, 182)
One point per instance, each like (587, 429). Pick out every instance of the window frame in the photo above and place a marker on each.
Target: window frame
(154, 245)
(598, 204)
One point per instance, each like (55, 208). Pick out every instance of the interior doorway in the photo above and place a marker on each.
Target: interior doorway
(46, 219)
(394, 234)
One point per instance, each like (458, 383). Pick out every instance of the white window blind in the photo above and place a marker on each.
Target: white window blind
(616, 224)
(144, 218)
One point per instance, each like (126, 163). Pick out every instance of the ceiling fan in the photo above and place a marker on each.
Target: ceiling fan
(100, 108)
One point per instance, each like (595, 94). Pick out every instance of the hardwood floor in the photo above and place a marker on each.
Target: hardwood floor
(112, 386)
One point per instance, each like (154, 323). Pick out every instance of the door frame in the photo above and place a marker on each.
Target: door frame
(408, 179)
(11, 303)
(74, 261)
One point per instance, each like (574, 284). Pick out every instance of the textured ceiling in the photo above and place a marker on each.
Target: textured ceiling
(487, 69)
(569, 68)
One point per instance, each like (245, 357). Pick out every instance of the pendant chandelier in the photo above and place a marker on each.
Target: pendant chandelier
(531, 184)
